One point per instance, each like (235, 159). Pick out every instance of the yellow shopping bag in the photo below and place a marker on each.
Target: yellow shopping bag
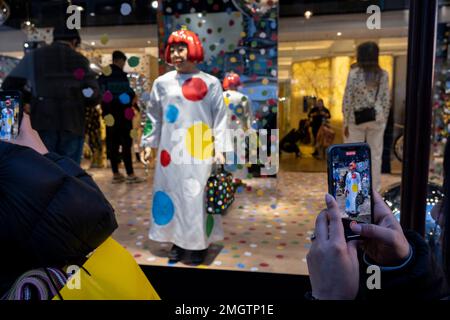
(113, 275)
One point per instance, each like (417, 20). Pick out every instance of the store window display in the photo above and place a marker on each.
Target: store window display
(191, 100)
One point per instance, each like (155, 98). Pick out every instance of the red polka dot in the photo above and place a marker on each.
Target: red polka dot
(209, 31)
(129, 114)
(300, 234)
(264, 265)
(251, 229)
(232, 233)
(280, 256)
(137, 255)
(194, 89)
(242, 241)
(165, 158)
(231, 23)
(268, 233)
(226, 238)
(283, 244)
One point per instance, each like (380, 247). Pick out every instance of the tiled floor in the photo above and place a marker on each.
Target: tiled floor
(266, 229)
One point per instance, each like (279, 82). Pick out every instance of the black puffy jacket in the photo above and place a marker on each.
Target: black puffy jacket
(51, 212)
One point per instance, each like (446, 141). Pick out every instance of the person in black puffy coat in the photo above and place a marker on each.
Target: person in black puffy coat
(51, 211)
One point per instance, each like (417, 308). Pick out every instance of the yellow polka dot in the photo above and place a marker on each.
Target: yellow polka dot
(252, 57)
(133, 133)
(233, 60)
(243, 34)
(104, 39)
(109, 120)
(227, 101)
(199, 142)
(260, 193)
(265, 81)
(107, 70)
(237, 14)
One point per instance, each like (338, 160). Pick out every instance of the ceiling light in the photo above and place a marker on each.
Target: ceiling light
(155, 4)
(339, 34)
(93, 43)
(200, 15)
(308, 14)
(92, 14)
(28, 23)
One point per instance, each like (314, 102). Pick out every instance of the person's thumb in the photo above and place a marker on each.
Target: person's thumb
(371, 231)
(331, 202)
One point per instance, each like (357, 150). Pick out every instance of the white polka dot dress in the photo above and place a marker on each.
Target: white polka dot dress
(239, 118)
(182, 108)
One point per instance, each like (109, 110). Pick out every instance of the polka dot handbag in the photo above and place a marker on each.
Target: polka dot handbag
(219, 192)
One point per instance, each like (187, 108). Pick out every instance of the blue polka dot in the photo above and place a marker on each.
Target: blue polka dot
(172, 113)
(241, 265)
(273, 25)
(231, 106)
(124, 98)
(222, 40)
(240, 189)
(229, 10)
(163, 208)
(225, 251)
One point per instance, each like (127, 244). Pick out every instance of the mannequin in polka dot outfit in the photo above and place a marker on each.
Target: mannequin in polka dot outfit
(190, 101)
(239, 118)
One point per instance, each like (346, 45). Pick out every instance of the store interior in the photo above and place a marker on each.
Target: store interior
(268, 227)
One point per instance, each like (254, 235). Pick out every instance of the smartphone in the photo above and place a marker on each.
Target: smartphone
(11, 112)
(350, 183)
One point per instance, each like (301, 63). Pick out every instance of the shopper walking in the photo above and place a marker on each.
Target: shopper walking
(117, 103)
(59, 85)
(366, 104)
(317, 115)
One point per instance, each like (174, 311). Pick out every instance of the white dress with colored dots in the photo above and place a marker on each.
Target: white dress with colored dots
(239, 118)
(181, 103)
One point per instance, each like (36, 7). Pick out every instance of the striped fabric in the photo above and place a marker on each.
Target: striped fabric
(37, 284)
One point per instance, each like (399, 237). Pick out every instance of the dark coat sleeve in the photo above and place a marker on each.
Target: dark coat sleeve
(51, 212)
(422, 278)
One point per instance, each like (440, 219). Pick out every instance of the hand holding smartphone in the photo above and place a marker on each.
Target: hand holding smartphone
(350, 183)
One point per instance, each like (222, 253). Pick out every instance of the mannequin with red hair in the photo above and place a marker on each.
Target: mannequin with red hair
(181, 101)
(239, 118)
(352, 188)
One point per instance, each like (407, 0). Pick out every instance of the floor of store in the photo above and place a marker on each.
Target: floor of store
(266, 230)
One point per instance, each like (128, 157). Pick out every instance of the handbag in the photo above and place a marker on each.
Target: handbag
(368, 113)
(219, 191)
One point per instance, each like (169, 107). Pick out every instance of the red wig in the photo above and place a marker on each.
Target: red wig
(231, 80)
(194, 46)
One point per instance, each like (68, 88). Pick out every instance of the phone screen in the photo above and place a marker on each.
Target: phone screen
(350, 181)
(9, 115)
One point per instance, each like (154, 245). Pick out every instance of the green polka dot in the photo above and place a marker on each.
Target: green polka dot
(231, 47)
(294, 242)
(244, 98)
(263, 24)
(254, 44)
(236, 256)
(265, 241)
(240, 166)
(133, 62)
(209, 224)
(274, 109)
(219, 30)
(188, 20)
(264, 93)
(234, 248)
(257, 66)
(210, 1)
(212, 47)
(219, 61)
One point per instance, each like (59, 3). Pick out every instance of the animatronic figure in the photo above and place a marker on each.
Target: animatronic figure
(239, 118)
(186, 104)
(365, 185)
(352, 187)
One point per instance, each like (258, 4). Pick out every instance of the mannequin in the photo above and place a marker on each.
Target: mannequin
(239, 118)
(185, 100)
(352, 188)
